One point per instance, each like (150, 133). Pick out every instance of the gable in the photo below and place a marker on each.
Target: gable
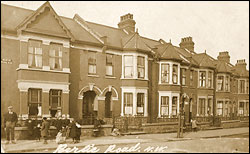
(47, 23)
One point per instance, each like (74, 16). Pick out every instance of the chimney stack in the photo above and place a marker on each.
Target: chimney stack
(127, 23)
(224, 56)
(187, 42)
(241, 64)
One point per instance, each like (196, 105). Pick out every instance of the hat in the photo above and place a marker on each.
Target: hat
(10, 107)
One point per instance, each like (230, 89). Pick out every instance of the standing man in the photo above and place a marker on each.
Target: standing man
(10, 120)
(45, 130)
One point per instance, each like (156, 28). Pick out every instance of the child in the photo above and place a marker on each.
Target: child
(61, 136)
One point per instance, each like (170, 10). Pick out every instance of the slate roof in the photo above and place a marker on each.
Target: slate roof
(168, 51)
(17, 15)
(224, 67)
(204, 60)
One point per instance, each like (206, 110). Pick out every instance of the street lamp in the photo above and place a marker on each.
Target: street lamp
(181, 115)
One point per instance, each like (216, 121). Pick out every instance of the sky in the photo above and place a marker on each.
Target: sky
(215, 26)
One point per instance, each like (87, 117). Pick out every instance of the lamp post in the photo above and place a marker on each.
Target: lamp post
(181, 116)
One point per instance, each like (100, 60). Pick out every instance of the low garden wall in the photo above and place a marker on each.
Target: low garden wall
(22, 133)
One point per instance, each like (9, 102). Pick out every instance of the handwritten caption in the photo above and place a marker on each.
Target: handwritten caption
(91, 148)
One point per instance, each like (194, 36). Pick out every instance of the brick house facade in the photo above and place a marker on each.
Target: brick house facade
(56, 65)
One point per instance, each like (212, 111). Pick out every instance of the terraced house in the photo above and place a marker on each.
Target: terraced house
(56, 65)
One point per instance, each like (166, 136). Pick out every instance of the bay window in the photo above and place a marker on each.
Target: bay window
(141, 67)
(109, 65)
(35, 54)
(55, 57)
(92, 62)
(175, 74)
(202, 78)
(219, 108)
(220, 82)
(140, 103)
(35, 102)
(165, 73)
(128, 70)
(128, 103)
(55, 101)
(164, 105)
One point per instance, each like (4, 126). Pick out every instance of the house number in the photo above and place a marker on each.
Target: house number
(6, 61)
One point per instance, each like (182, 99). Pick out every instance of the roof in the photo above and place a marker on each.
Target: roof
(224, 67)
(17, 15)
(204, 60)
(134, 41)
(167, 51)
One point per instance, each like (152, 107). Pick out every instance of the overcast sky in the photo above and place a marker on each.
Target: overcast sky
(215, 26)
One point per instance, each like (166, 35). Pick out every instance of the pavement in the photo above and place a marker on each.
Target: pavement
(32, 145)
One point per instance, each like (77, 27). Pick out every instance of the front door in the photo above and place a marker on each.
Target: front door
(108, 112)
(89, 113)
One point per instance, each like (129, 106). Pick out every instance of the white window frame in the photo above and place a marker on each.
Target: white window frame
(135, 67)
(170, 94)
(135, 91)
(171, 63)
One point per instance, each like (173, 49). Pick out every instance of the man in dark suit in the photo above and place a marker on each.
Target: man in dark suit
(10, 120)
(45, 130)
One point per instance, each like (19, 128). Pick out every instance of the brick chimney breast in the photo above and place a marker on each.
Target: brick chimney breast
(187, 42)
(241, 64)
(127, 23)
(224, 56)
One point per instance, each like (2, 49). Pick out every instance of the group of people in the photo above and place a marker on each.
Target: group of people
(65, 128)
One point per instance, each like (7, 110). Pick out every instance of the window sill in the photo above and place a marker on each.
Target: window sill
(134, 79)
(110, 77)
(43, 70)
(168, 84)
(93, 75)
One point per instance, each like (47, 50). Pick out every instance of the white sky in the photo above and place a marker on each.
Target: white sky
(215, 26)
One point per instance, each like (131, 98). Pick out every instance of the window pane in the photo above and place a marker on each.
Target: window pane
(92, 69)
(141, 72)
(128, 60)
(128, 71)
(109, 59)
(165, 73)
(109, 70)
(140, 61)
(91, 57)
(174, 106)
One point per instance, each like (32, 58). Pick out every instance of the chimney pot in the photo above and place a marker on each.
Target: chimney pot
(187, 43)
(127, 23)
